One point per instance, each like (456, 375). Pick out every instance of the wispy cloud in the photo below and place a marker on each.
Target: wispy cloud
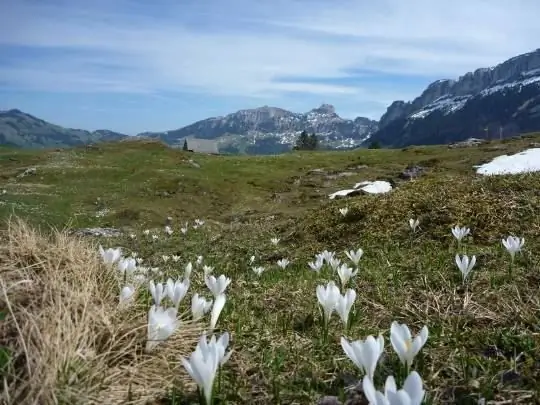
(345, 52)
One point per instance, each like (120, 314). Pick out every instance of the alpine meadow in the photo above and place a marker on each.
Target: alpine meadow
(134, 273)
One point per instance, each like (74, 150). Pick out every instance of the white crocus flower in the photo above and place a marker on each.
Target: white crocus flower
(465, 265)
(127, 265)
(176, 291)
(513, 245)
(168, 230)
(354, 257)
(175, 258)
(146, 232)
(328, 297)
(412, 387)
(412, 392)
(345, 273)
(344, 305)
(252, 259)
(217, 285)
(460, 233)
(283, 263)
(219, 303)
(344, 211)
(157, 291)
(220, 344)
(155, 238)
(110, 256)
(188, 270)
(165, 258)
(404, 345)
(258, 270)
(327, 256)
(199, 306)
(207, 270)
(161, 325)
(199, 260)
(317, 264)
(202, 366)
(364, 354)
(275, 241)
(334, 263)
(413, 223)
(127, 295)
(184, 230)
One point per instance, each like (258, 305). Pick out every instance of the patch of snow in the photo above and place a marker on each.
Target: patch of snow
(342, 193)
(499, 87)
(523, 162)
(370, 187)
(374, 187)
(533, 72)
(446, 104)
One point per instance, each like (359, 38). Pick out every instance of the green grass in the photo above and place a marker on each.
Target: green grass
(280, 355)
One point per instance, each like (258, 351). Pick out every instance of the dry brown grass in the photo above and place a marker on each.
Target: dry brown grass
(69, 341)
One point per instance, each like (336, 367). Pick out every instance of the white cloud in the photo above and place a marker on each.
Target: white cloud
(244, 48)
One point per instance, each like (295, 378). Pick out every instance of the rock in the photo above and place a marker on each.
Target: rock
(356, 396)
(28, 172)
(338, 175)
(317, 171)
(101, 232)
(411, 172)
(329, 400)
(359, 167)
(194, 164)
(467, 143)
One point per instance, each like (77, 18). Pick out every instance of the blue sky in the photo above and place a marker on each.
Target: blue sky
(136, 65)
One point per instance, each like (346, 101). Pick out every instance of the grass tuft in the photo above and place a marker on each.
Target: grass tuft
(68, 342)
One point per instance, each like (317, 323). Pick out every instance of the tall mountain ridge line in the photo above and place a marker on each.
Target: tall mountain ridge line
(503, 100)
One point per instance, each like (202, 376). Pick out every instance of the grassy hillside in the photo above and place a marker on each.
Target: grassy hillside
(484, 338)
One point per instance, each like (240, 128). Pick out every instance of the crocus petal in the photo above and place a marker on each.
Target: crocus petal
(219, 303)
(413, 387)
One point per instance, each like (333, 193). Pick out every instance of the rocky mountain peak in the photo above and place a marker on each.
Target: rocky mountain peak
(324, 109)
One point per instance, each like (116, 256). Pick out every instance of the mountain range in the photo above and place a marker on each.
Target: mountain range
(19, 129)
(271, 129)
(500, 101)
